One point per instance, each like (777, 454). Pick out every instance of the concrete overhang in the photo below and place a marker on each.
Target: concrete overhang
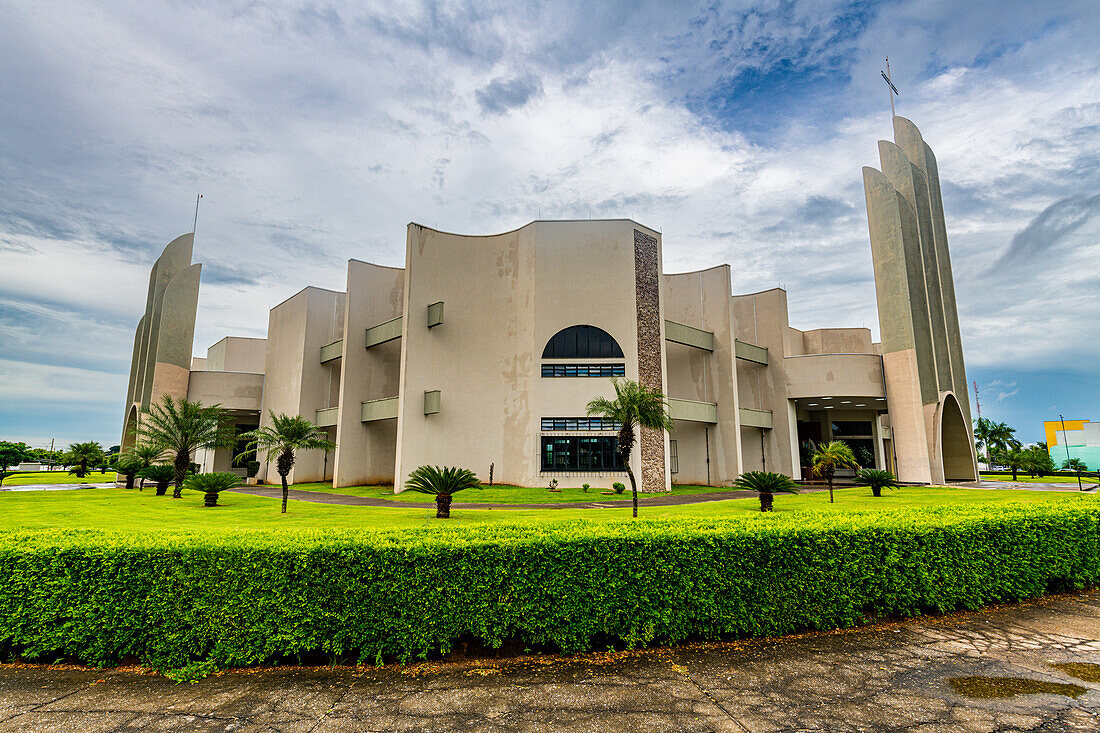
(832, 375)
(693, 411)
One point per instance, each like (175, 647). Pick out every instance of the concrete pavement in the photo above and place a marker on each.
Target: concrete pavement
(890, 677)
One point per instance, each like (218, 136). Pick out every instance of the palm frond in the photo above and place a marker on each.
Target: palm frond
(766, 482)
(212, 483)
(441, 480)
(285, 433)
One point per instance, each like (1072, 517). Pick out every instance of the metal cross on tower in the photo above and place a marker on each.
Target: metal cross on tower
(893, 89)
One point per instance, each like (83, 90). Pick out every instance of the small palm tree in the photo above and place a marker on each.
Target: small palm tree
(876, 479)
(286, 434)
(128, 466)
(767, 485)
(634, 407)
(148, 454)
(160, 474)
(181, 427)
(443, 483)
(828, 458)
(83, 455)
(1013, 458)
(211, 484)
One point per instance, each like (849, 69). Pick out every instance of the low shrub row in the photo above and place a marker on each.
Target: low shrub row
(172, 600)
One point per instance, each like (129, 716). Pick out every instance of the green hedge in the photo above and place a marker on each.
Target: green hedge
(255, 597)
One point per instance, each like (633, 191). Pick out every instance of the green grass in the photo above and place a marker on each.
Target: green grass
(29, 478)
(499, 494)
(133, 511)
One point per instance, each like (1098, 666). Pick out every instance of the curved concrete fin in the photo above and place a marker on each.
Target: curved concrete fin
(909, 139)
(897, 167)
(932, 281)
(888, 256)
(918, 302)
(176, 335)
(139, 338)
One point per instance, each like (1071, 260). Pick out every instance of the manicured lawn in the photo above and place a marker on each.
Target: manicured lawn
(499, 494)
(121, 510)
(57, 477)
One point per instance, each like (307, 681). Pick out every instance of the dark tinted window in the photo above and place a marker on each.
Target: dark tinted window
(597, 453)
(851, 427)
(582, 342)
(579, 423)
(583, 370)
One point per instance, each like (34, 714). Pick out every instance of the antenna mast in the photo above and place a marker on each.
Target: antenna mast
(977, 401)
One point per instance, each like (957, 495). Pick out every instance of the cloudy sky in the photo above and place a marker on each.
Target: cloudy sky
(317, 131)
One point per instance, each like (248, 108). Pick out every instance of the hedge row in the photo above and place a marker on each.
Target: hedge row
(255, 597)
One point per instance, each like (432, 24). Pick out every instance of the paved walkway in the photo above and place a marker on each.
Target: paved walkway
(54, 487)
(892, 677)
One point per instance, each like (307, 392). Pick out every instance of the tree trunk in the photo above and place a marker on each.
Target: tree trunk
(211, 499)
(1013, 473)
(633, 489)
(181, 464)
(283, 466)
(443, 506)
(162, 488)
(829, 477)
(876, 491)
(129, 481)
(766, 501)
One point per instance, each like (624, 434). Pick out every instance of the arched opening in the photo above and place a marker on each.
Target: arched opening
(129, 430)
(582, 342)
(955, 444)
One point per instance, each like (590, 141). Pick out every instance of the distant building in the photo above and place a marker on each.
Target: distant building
(1074, 439)
(484, 350)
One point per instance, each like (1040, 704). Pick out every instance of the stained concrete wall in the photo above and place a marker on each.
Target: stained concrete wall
(296, 382)
(237, 354)
(516, 291)
(366, 452)
(702, 300)
(761, 319)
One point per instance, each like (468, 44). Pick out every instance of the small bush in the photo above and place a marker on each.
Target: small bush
(619, 487)
(586, 487)
(190, 601)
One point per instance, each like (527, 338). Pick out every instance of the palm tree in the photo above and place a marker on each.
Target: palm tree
(1014, 459)
(128, 466)
(148, 454)
(160, 474)
(82, 455)
(443, 483)
(212, 484)
(633, 406)
(982, 430)
(286, 434)
(828, 458)
(767, 485)
(181, 427)
(876, 479)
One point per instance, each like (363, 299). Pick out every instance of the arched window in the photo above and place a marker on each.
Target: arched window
(582, 342)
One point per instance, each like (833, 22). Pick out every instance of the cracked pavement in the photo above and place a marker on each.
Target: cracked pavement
(887, 677)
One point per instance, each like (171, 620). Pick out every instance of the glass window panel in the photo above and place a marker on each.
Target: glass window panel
(861, 428)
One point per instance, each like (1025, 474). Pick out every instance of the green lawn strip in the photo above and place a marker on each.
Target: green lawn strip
(501, 494)
(57, 477)
(133, 511)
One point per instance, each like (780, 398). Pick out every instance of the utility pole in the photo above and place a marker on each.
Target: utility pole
(978, 404)
(50, 459)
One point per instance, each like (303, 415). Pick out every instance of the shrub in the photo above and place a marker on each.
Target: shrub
(176, 599)
(252, 468)
(212, 484)
(766, 484)
(161, 474)
(619, 487)
(443, 483)
(876, 479)
(586, 487)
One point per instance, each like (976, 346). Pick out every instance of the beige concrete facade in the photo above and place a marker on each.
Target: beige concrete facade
(483, 352)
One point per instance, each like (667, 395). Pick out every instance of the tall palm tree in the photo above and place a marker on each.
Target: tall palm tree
(766, 485)
(83, 455)
(634, 407)
(443, 483)
(983, 428)
(828, 458)
(148, 454)
(286, 434)
(181, 427)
